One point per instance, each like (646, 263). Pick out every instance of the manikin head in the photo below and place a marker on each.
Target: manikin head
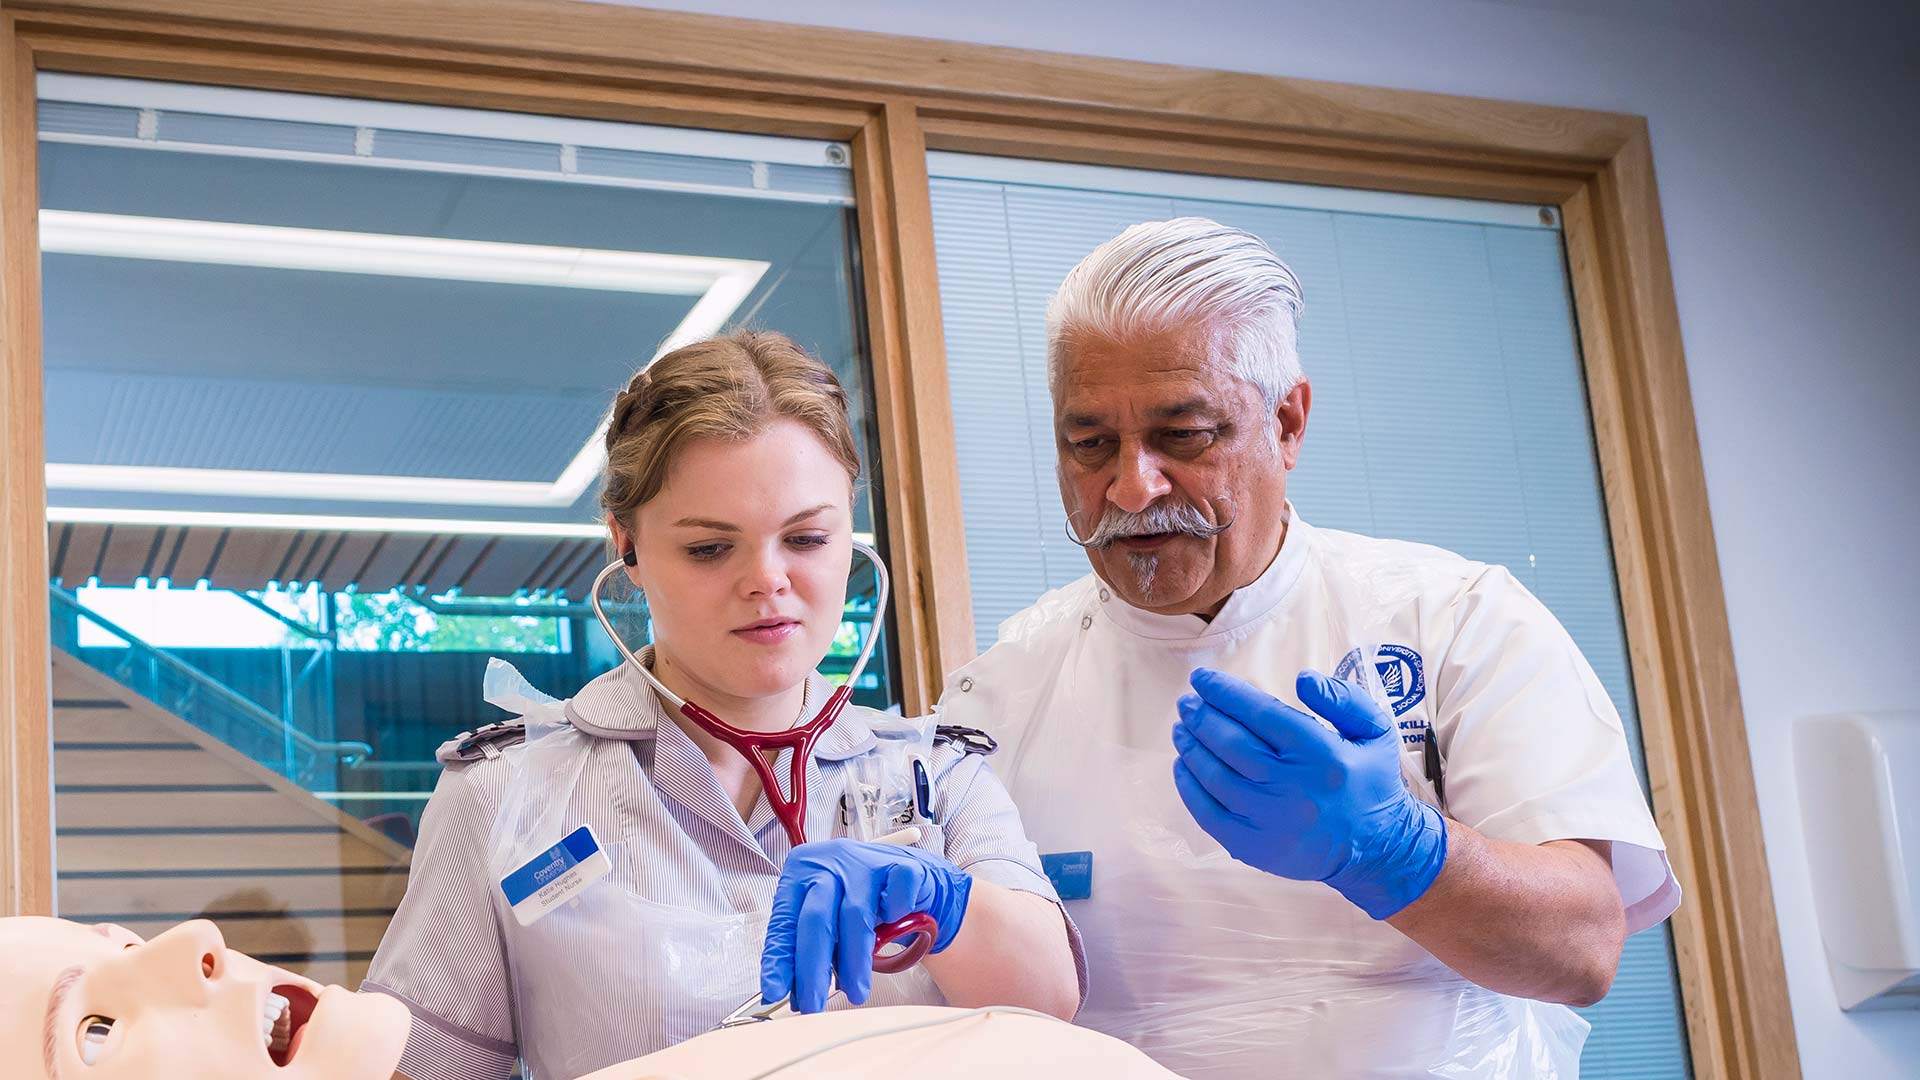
(97, 1003)
(1178, 407)
(730, 472)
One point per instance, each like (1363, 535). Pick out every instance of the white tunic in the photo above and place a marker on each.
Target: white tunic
(669, 942)
(1218, 969)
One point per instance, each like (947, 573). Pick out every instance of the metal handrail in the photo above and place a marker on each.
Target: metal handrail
(289, 621)
(347, 753)
(503, 607)
(397, 766)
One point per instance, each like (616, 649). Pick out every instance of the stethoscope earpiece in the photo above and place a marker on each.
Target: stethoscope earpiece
(630, 557)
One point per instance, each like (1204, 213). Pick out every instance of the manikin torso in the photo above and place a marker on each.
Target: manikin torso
(942, 1044)
(98, 1002)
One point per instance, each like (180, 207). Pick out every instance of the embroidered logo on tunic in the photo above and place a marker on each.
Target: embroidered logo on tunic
(1401, 674)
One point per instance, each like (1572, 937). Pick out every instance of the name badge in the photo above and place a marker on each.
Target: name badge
(1071, 873)
(555, 876)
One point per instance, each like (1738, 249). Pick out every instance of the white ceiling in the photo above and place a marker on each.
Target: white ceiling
(154, 363)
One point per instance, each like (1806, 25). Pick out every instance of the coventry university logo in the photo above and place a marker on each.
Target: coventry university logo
(1401, 674)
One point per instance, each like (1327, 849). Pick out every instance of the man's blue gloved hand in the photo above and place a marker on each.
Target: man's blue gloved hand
(831, 896)
(1283, 794)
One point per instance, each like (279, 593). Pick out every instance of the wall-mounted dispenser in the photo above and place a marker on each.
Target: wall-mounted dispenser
(1860, 802)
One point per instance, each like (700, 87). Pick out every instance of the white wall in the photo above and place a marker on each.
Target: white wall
(1788, 146)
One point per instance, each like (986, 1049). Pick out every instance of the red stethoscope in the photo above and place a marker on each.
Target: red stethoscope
(761, 747)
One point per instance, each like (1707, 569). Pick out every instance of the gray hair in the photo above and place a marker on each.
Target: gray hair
(1161, 275)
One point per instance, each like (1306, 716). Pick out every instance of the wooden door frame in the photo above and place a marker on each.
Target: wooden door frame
(892, 98)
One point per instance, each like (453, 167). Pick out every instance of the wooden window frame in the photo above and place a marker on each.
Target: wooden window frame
(892, 98)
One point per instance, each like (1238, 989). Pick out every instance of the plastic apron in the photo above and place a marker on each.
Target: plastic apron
(1214, 968)
(639, 974)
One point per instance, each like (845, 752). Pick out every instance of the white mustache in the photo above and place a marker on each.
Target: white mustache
(1164, 517)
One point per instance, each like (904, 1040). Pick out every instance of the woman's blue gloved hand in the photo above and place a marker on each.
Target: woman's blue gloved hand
(1284, 794)
(831, 896)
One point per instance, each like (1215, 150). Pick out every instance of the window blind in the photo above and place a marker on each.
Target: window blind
(134, 113)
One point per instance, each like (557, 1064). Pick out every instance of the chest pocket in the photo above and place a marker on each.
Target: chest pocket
(1395, 676)
(933, 838)
(1421, 763)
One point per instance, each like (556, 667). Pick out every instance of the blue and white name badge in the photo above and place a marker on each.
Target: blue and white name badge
(1071, 873)
(555, 876)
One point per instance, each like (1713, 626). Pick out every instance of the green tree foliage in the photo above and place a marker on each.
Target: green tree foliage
(392, 622)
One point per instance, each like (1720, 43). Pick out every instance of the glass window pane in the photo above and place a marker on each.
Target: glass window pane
(325, 380)
(1417, 308)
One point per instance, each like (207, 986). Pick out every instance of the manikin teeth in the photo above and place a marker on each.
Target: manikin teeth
(276, 1024)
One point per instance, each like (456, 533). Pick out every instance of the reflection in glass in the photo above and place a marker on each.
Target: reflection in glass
(325, 382)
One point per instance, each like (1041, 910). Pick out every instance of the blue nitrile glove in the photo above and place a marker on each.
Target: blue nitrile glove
(1283, 794)
(830, 897)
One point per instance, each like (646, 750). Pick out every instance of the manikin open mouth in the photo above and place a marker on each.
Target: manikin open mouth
(283, 1021)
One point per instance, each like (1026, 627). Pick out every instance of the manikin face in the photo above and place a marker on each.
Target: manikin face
(1157, 430)
(97, 1003)
(743, 555)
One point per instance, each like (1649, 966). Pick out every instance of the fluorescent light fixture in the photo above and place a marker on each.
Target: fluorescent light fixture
(280, 247)
(154, 479)
(98, 515)
(721, 285)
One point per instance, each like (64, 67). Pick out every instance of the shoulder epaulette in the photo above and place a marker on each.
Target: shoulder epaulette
(969, 740)
(482, 742)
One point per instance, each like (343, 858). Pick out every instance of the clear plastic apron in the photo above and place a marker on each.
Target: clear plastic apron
(613, 974)
(1216, 969)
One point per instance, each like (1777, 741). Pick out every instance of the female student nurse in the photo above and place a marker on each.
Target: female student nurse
(730, 474)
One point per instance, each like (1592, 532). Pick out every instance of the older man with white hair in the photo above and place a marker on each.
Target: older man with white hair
(1332, 806)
